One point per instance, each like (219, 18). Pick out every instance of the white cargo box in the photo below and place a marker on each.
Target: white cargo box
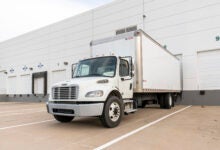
(156, 69)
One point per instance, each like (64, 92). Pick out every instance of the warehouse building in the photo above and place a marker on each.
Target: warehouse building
(190, 29)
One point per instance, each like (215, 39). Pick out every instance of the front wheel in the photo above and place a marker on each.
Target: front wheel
(63, 119)
(112, 113)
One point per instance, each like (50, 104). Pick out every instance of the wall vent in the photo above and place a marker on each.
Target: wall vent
(133, 28)
(120, 31)
(124, 30)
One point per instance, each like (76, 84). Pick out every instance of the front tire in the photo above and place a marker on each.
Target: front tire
(63, 119)
(112, 113)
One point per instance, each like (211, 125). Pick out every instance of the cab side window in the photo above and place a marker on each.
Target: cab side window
(123, 68)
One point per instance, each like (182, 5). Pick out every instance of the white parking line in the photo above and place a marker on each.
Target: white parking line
(19, 103)
(7, 103)
(27, 124)
(138, 130)
(21, 113)
(13, 106)
(29, 109)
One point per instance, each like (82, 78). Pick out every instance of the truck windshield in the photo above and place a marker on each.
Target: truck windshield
(103, 66)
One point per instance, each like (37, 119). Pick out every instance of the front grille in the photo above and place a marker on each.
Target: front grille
(65, 92)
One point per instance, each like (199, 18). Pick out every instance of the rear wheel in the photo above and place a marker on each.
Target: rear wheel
(173, 104)
(63, 119)
(112, 112)
(174, 100)
(161, 101)
(168, 101)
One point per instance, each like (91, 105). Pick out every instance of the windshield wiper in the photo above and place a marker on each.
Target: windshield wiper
(76, 76)
(94, 74)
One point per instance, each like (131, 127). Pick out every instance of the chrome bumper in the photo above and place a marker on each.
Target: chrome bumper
(78, 110)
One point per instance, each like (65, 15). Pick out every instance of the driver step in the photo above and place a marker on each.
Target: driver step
(130, 111)
(128, 101)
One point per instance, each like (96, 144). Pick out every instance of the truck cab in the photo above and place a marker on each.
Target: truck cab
(101, 86)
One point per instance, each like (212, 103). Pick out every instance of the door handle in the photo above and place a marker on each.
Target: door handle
(130, 86)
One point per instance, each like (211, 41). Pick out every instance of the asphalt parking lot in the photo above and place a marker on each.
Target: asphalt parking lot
(28, 126)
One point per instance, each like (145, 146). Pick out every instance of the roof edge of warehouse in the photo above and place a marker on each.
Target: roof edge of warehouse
(25, 33)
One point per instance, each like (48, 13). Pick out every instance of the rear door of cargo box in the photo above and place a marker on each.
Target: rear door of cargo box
(161, 70)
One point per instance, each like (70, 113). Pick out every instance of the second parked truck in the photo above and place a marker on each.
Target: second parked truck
(124, 72)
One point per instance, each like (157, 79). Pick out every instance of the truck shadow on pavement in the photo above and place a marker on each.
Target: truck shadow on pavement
(87, 122)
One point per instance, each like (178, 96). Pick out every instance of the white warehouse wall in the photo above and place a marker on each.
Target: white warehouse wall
(185, 26)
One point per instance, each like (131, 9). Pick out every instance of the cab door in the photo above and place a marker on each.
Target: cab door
(125, 78)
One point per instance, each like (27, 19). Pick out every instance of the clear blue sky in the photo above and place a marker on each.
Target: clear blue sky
(21, 16)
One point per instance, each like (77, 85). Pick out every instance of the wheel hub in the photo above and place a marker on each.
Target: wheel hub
(114, 111)
(170, 100)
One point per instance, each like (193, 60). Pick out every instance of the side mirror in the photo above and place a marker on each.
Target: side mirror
(132, 69)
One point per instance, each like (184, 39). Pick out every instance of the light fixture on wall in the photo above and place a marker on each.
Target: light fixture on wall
(65, 63)
(144, 16)
(31, 68)
(12, 70)
(40, 65)
(5, 72)
(217, 38)
(165, 46)
(25, 68)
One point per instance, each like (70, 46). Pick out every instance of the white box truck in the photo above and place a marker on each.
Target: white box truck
(124, 72)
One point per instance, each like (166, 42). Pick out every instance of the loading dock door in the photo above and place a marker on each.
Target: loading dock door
(39, 85)
(209, 70)
(25, 84)
(57, 76)
(11, 85)
(2, 83)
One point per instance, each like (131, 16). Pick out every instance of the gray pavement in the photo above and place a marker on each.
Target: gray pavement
(28, 126)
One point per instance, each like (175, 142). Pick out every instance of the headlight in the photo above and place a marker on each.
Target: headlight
(95, 94)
